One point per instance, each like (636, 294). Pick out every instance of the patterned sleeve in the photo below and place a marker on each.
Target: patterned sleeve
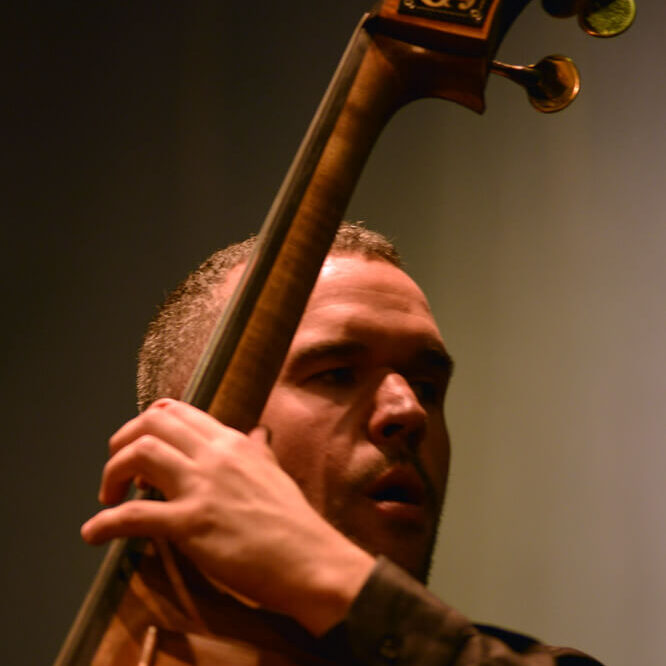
(395, 621)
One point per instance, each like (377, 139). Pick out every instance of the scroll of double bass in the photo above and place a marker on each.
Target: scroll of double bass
(148, 605)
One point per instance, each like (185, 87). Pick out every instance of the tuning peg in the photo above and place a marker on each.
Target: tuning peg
(551, 85)
(600, 18)
(606, 18)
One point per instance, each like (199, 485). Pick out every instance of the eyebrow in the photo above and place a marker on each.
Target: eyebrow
(431, 357)
(321, 351)
(436, 357)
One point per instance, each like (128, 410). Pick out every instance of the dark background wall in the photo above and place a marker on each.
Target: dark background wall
(138, 137)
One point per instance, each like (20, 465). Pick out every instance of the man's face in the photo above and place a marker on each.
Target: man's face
(356, 415)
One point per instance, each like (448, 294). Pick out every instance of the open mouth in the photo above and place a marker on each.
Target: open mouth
(398, 493)
(399, 485)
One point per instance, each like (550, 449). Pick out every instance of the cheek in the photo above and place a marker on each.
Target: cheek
(316, 442)
(300, 438)
(437, 456)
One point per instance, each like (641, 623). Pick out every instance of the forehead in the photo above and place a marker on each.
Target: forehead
(365, 297)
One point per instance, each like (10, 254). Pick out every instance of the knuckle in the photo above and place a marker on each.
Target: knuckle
(145, 448)
(162, 403)
(151, 419)
(204, 516)
(132, 515)
(229, 459)
(163, 406)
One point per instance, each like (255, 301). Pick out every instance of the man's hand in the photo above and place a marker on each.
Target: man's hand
(232, 510)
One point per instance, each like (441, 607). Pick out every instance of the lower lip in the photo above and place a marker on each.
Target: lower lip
(400, 511)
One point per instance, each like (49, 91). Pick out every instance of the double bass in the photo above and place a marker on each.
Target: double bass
(148, 604)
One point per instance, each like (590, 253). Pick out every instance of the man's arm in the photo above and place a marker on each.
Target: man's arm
(247, 526)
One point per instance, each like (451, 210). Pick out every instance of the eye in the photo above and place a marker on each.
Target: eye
(340, 376)
(427, 391)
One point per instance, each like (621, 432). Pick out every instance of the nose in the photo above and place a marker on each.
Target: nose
(398, 420)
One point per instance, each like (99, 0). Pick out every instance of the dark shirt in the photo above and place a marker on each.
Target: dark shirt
(395, 621)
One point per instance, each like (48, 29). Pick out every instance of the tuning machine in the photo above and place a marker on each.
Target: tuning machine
(554, 82)
(599, 18)
(551, 85)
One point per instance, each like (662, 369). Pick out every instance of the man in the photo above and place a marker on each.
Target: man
(345, 476)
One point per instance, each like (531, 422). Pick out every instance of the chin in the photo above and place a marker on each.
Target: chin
(416, 564)
(413, 553)
(405, 539)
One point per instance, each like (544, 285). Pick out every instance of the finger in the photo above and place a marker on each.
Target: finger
(261, 433)
(202, 422)
(136, 518)
(261, 438)
(162, 421)
(157, 464)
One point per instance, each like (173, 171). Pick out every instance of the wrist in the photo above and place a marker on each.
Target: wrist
(334, 581)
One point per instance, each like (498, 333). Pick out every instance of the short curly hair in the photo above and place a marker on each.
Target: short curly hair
(177, 334)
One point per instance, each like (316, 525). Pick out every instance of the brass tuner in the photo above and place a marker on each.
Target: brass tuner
(606, 18)
(600, 18)
(551, 85)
